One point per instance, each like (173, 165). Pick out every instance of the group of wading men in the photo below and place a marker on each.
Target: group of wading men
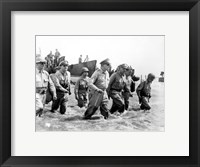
(97, 89)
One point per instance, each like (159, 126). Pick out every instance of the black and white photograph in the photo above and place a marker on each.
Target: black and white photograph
(100, 83)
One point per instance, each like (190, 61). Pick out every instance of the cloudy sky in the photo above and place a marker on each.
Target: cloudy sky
(144, 53)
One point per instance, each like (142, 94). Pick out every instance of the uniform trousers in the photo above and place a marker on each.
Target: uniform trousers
(82, 99)
(126, 96)
(118, 102)
(144, 103)
(103, 106)
(61, 101)
(40, 102)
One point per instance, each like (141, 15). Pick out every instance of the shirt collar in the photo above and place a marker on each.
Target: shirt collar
(37, 71)
(104, 72)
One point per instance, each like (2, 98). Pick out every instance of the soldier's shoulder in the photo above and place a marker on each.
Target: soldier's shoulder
(114, 74)
(97, 70)
(45, 72)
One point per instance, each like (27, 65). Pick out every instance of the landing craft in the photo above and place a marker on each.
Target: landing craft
(75, 69)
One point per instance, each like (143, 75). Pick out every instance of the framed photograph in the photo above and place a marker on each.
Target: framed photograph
(99, 83)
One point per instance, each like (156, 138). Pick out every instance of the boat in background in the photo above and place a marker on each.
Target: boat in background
(75, 69)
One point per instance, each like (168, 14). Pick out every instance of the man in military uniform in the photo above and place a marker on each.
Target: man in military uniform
(126, 94)
(81, 88)
(99, 82)
(144, 92)
(130, 80)
(115, 88)
(56, 58)
(61, 81)
(43, 81)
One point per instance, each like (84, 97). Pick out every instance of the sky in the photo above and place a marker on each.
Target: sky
(144, 53)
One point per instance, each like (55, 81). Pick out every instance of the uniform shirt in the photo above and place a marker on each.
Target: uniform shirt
(81, 85)
(57, 54)
(144, 89)
(43, 80)
(128, 80)
(99, 79)
(117, 82)
(62, 81)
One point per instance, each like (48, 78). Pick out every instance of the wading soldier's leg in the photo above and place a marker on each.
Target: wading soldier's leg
(56, 103)
(118, 103)
(63, 105)
(126, 100)
(90, 111)
(104, 107)
(39, 104)
(144, 104)
(80, 100)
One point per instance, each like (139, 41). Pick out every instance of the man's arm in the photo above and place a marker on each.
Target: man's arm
(92, 81)
(69, 80)
(139, 88)
(112, 79)
(52, 88)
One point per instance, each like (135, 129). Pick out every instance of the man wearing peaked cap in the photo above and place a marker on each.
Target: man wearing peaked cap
(106, 61)
(64, 63)
(81, 88)
(98, 97)
(43, 80)
(40, 60)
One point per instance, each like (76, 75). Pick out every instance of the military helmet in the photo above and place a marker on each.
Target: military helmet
(150, 75)
(84, 69)
(39, 59)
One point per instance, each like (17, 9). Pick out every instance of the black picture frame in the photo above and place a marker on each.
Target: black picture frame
(6, 6)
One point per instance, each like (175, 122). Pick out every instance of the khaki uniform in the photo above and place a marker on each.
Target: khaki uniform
(43, 81)
(81, 89)
(126, 94)
(144, 93)
(115, 88)
(62, 83)
(99, 80)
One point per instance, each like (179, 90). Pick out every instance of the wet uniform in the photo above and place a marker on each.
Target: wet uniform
(144, 93)
(126, 94)
(100, 80)
(81, 89)
(43, 81)
(62, 83)
(115, 88)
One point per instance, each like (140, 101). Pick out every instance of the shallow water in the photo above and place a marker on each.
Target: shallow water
(132, 120)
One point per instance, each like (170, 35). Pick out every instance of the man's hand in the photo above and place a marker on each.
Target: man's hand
(54, 97)
(99, 90)
(76, 96)
(66, 91)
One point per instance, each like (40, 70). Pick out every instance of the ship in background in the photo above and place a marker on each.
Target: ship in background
(74, 69)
